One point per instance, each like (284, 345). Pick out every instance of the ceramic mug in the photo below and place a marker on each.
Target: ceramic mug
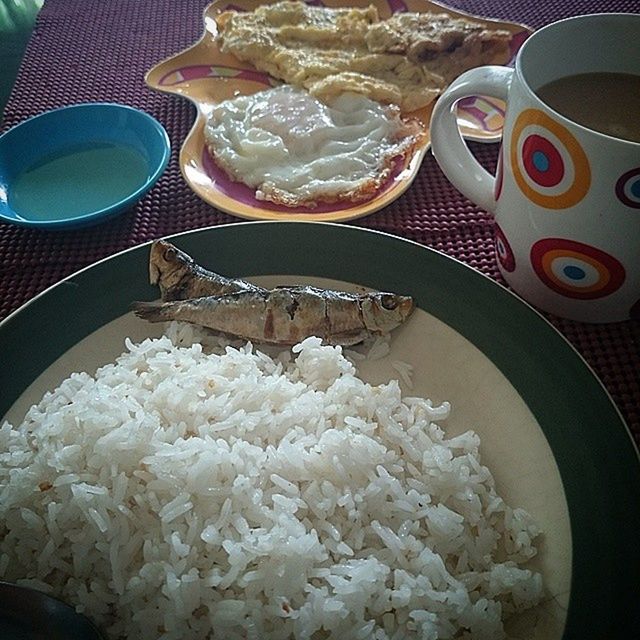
(566, 198)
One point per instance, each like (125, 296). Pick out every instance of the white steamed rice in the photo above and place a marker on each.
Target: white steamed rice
(180, 494)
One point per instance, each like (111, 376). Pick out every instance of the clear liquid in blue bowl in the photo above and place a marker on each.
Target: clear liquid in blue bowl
(77, 181)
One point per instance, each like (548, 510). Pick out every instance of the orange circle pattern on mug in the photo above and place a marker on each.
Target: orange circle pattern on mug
(575, 269)
(549, 165)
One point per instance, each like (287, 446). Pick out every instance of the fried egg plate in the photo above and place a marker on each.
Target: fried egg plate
(297, 151)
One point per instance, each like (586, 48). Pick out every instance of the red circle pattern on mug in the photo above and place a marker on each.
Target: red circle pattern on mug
(542, 161)
(549, 165)
(497, 190)
(628, 188)
(504, 251)
(576, 270)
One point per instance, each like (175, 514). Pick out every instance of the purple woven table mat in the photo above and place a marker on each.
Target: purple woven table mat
(97, 50)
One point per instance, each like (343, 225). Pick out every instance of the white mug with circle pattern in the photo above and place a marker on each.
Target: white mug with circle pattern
(566, 199)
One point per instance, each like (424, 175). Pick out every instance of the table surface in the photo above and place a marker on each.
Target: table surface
(98, 50)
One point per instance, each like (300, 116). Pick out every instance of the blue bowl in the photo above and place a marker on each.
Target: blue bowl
(79, 165)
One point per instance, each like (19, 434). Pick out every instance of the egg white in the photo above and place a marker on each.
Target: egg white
(295, 150)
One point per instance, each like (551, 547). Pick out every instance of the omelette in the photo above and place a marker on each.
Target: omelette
(406, 60)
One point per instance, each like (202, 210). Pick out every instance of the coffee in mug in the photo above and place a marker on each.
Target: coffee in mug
(566, 195)
(603, 101)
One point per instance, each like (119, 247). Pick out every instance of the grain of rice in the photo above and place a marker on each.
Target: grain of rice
(405, 371)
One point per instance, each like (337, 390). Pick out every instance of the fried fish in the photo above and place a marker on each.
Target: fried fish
(288, 315)
(283, 315)
(180, 277)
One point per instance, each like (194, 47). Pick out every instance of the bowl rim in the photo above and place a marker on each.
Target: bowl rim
(158, 165)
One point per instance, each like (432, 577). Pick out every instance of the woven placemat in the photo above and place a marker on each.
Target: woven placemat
(93, 50)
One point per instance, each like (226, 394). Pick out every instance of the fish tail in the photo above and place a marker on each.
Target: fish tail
(151, 311)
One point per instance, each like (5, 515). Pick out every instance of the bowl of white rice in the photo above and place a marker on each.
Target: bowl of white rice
(170, 484)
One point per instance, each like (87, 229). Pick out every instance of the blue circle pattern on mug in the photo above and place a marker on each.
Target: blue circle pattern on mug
(628, 188)
(542, 161)
(503, 250)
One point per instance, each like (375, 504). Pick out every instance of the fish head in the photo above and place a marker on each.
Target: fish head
(167, 265)
(383, 312)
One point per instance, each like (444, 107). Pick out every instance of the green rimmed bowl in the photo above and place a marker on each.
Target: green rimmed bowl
(550, 433)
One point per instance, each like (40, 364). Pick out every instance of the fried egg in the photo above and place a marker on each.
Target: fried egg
(297, 151)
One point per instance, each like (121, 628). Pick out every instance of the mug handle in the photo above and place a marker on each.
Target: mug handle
(447, 144)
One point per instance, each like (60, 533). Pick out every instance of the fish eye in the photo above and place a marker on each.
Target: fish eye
(389, 302)
(169, 253)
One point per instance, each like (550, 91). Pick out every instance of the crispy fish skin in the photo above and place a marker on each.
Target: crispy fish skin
(180, 277)
(288, 315)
